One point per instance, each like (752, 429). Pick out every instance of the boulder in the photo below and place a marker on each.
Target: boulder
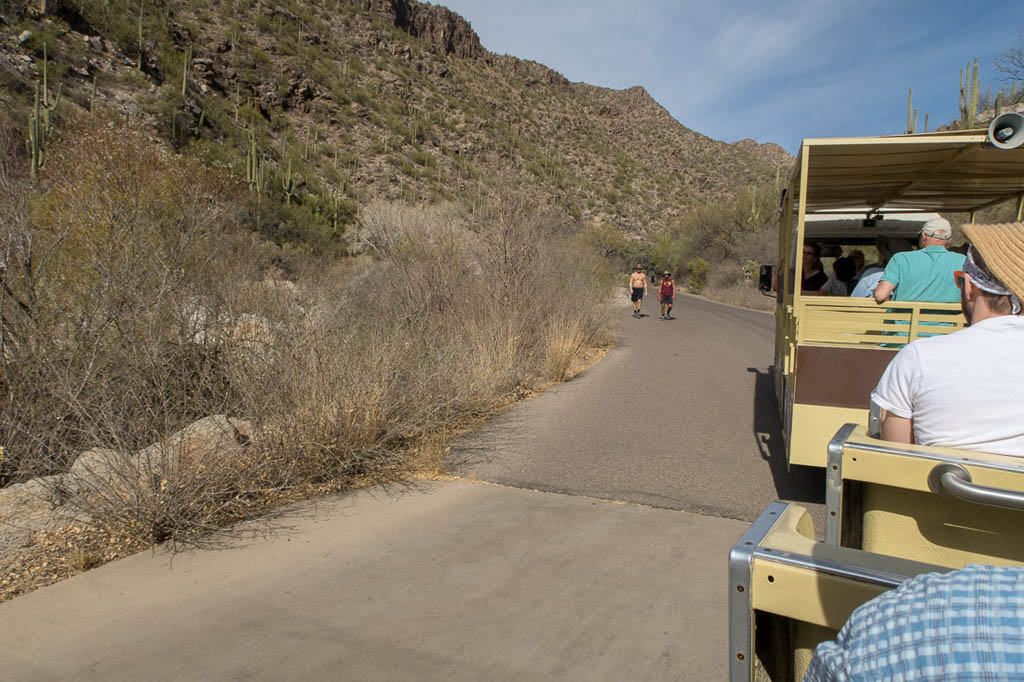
(37, 496)
(30, 507)
(203, 443)
(100, 469)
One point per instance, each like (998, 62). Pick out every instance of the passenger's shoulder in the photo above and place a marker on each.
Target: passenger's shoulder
(942, 344)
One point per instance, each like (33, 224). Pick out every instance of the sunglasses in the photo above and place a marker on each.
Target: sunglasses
(958, 278)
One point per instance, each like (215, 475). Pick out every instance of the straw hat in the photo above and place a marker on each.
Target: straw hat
(1002, 247)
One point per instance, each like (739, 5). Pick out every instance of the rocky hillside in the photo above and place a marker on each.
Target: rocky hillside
(340, 102)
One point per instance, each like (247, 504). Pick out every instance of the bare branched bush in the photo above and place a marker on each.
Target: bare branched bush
(133, 309)
(118, 272)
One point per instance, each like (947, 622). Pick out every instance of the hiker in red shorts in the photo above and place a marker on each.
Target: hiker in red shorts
(666, 295)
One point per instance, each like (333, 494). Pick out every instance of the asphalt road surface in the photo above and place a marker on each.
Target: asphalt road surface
(681, 414)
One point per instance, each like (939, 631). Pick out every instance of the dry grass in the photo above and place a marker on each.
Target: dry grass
(135, 306)
(565, 342)
(744, 295)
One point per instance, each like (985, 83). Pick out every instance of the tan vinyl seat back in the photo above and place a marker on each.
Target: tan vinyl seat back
(788, 593)
(939, 505)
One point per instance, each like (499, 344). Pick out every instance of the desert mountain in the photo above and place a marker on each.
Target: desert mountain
(339, 102)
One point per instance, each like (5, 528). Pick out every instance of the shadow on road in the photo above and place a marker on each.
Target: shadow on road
(793, 483)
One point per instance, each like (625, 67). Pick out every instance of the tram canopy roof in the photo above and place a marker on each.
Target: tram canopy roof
(850, 227)
(954, 171)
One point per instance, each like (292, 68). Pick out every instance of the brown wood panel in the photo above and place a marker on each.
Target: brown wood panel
(839, 377)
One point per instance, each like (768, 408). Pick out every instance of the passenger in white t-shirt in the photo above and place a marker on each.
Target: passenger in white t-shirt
(966, 389)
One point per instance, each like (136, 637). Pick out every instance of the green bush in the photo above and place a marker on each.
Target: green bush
(697, 277)
(670, 253)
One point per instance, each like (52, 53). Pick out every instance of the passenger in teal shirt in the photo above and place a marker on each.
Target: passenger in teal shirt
(925, 274)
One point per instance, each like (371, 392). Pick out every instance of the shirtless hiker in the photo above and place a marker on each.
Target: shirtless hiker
(637, 289)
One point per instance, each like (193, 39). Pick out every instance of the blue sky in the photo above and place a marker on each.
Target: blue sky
(773, 71)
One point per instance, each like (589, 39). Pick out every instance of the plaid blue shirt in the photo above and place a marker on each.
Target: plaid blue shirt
(964, 625)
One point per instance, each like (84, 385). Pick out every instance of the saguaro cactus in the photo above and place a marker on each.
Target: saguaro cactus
(254, 165)
(288, 184)
(910, 109)
(185, 69)
(972, 110)
(142, 6)
(969, 94)
(40, 127)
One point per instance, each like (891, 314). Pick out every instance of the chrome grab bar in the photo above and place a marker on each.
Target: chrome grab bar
(954, 480)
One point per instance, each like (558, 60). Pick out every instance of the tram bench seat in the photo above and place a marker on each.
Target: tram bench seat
(943, 506)
(788, 592)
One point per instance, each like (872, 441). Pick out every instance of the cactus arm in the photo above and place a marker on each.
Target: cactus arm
(184, 70)
(972, 107)
(910, 107)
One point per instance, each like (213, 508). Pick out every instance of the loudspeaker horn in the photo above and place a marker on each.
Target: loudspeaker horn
(1006, 131)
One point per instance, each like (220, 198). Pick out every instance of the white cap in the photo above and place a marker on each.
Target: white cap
(938, 228)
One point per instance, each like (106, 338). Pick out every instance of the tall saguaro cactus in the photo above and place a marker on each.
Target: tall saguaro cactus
(142, 6)
(910, 110)
(969, 94)
(254, 166)
(184, 71)
(40, 127)
(288, 184)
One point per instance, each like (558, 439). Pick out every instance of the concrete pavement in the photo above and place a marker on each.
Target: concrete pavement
(454, 581)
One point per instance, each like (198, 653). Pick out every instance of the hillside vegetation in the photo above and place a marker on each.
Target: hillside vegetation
(351, 100)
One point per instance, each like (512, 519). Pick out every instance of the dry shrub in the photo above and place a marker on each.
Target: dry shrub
(744, 294)
(103, 267)
(119, 270)
(133, 308)
(566, 342)
(456, 312)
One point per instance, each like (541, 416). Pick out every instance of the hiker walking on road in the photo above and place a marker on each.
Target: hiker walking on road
(666, 295)
(637, 288)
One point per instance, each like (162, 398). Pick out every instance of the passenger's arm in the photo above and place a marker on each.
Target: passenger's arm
(897, 429)
(883, 292)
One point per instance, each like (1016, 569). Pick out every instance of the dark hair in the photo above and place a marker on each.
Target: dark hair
(845, 269)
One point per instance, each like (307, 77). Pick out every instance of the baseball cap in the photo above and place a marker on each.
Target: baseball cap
(666, 273)
(938, 228)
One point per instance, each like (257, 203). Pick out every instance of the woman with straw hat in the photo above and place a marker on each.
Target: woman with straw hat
(963, 390)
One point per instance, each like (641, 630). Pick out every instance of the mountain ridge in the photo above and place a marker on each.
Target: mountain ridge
(397, 99)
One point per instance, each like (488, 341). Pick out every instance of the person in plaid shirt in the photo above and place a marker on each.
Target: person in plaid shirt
(958, 626)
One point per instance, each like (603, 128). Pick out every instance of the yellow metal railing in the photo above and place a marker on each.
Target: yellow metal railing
(860, 322)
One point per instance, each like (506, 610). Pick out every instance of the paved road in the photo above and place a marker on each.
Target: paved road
(681, 415)
(467, 581)
(458, 582)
